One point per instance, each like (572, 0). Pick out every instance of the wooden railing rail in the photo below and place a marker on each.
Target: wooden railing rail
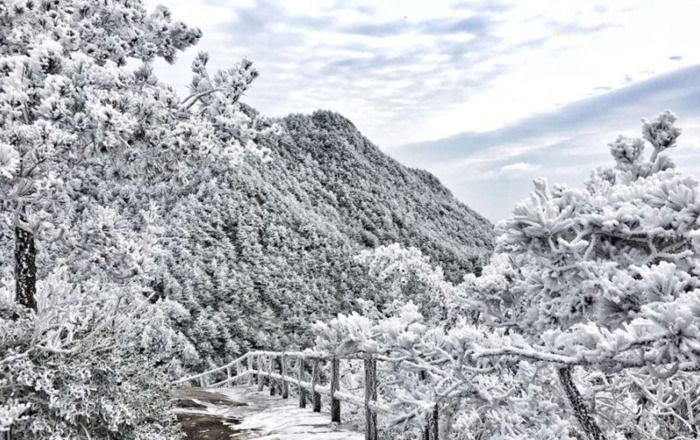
(212, 371)
(258, 366)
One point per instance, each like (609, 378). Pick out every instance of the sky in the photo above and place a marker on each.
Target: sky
(492, 171)
(478, 73)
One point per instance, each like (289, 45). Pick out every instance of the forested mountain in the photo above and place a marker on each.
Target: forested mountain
(260, 251)
(374, 199)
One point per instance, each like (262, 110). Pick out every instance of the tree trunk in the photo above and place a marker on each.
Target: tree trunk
(431, 428)
(25, 268)
(587, 422)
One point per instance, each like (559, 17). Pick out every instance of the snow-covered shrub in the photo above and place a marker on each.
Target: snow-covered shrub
(67, 372)
(94, 357)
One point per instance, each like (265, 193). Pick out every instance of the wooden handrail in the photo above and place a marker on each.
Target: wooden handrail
(214, 370)
(292, 354)
(231, 379)
(255, 368)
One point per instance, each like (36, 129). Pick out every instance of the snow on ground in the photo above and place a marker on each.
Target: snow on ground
(244, 413)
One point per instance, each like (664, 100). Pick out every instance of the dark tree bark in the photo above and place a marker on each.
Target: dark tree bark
(583, 415)
(430, 430)
(25, 268)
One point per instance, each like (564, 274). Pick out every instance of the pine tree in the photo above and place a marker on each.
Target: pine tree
(67, 97)
(607, 278)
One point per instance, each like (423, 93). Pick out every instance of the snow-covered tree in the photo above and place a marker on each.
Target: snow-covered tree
(88, 147)
(424, 366)
(70, 103)
(66, 96)
(606, 278)
(74, 369)
(410, 276)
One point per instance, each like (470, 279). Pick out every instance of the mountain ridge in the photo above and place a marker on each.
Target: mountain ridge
(276, 249)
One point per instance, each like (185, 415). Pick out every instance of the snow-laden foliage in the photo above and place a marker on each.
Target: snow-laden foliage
(606, 277)
(87, 143)
(69, 100)
(106, 257)
(67, 95)
(70, 372)
(426, 352)
(608, 274)
(410, 276)
(422, 365)
(588, 314)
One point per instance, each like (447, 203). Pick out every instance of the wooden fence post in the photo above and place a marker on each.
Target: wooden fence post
(261, 380)
(253, 364)
(315, 377)
(228, 375)
(273, 382)
(201, 382)
(302, 391)
(283, 369)
(370, 397)
(335, 387)
(430, 431)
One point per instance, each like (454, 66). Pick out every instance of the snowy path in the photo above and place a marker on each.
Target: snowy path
(243, 413)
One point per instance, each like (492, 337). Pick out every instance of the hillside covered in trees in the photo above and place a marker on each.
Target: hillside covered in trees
(248, 256)
(261, 251)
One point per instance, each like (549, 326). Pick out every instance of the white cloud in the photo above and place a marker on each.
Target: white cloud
(410, 70)
(491, 171)
(517, 169)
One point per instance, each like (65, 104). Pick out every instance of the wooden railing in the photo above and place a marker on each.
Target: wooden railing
(257, 366)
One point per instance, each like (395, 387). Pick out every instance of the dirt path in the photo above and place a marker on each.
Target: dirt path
(243, 413)
(206, 415)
